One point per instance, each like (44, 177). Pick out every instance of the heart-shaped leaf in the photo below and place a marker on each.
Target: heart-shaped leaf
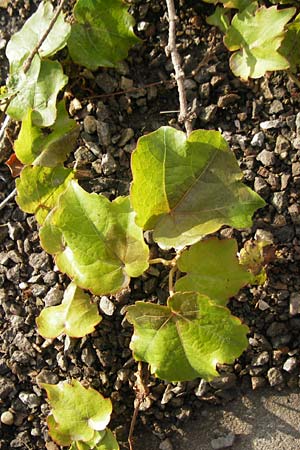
(36, 90)
(187, 338)
(187, 188)
(76, 316)
(95, 241)
(77, 412)
(35, 147)
(102, 35)
(24, 41)
(39, 188)
(255, 36)
(213, 269)
(219, 19)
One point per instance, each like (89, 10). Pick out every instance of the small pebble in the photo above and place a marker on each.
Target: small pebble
(274, 376)
(7, 418)
(223, 442)
(166, 445)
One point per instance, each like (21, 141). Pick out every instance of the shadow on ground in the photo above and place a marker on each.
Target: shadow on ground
(261, 420)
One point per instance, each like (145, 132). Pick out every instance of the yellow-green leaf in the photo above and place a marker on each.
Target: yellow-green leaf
(76, 316)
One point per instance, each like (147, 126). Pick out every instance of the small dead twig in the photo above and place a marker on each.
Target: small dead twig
(29, 60)
(141, 393)
(8, 198)
(3, 127)
(171, 50)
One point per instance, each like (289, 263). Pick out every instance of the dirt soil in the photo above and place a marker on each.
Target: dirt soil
(261, 122)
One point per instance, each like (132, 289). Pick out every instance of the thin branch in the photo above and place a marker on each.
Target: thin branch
(29, 60)
(165, 262)
(171, 49)
(4, 126)
(8, 198)
(141, 393)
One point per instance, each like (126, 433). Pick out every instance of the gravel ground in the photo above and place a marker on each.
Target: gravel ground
(260, 120)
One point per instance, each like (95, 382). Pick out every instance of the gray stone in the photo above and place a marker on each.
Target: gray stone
(279, 201)
(29, 399)
(261, 359)
(208, 113)
(126, 135)
(223, 442)
(107, 306)
(46, 376)
(7, 388)
(108, 164)
(290, 364)
(39, 260)
(261, 187)
(103, 131)
(53, 297)
(294, 212)
(257, 382)
(227, 99)
(90, 124)
(84, 155)
(296, 143)
(296, 169)
(263, 235)
(295, 303)
(224, 382)
(258, 139)
(88, 356)
(266, 158)
(276, 107)
(269, 124)
(282, 146)
(274, 376)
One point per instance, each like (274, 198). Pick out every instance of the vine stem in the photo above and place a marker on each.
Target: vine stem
(29, 60)
(4, 126)
(141, 392)
(171, 50)
(165, 262)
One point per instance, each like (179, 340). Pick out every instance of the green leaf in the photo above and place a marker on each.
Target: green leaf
(255, 36)
(77, 412)
(24, 41)
(95, 241)
(36, 90)
(290, 47)
(187, 188)
(39, 188)
(103, 440)
(102, 35)
(187, 338)
(76, 316)
(219, 19)
(51, 149)
(213, 269)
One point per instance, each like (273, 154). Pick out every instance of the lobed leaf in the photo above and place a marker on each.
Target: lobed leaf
(24, 41)
(255, 36)
(36, 90)
(77, 412)
(95, 241)
(213, 269)
(184, 189)
(187, 338)
(102, 35)
(39, 188)
(76, 316)
(253, 257)
(51, 149)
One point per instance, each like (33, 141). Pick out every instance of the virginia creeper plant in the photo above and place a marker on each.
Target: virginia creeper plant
(185, 187)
